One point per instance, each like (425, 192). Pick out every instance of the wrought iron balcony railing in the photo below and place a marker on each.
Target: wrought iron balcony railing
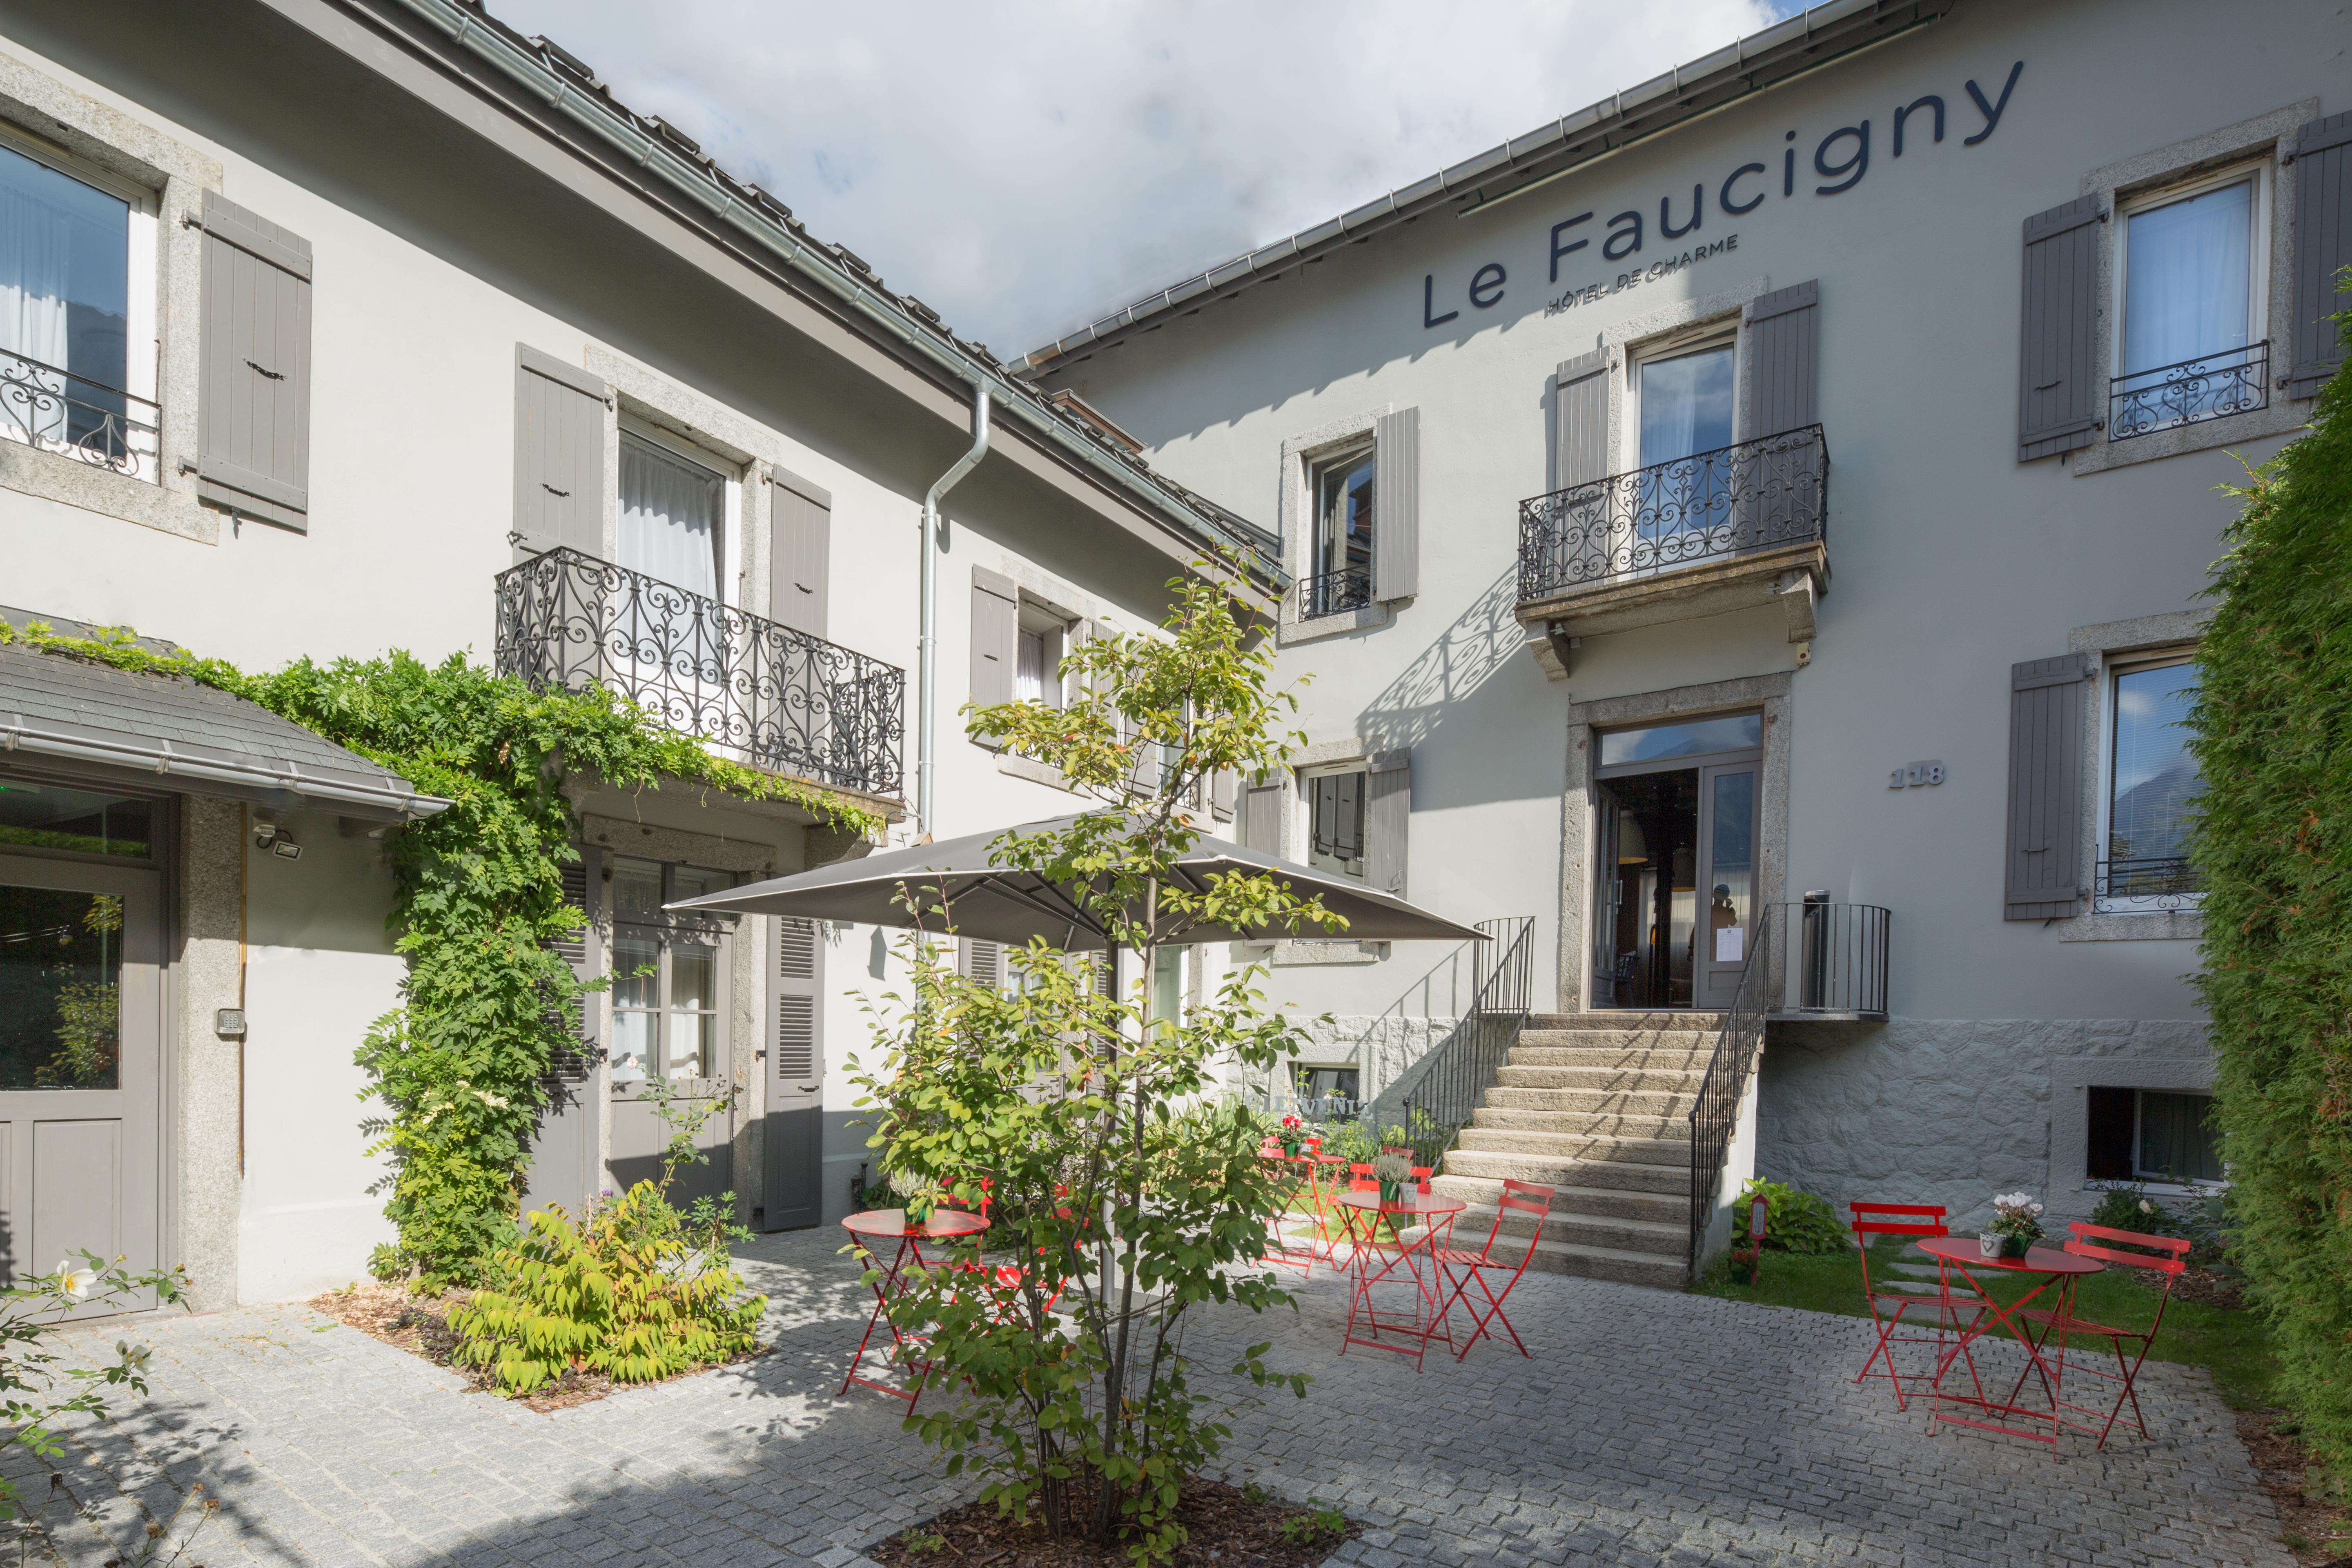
(1733, 500)
(2234, 380)
(788, 701)
(2152, 882)
(83, 420)
(1334, 593)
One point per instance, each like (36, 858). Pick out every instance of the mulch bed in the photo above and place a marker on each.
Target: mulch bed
(419, 1324)
(2317, 1533)
(1228, 1526)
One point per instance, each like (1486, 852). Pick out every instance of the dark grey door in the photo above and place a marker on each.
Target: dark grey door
(1728, 881)
(81, 1065)
(793, 1130)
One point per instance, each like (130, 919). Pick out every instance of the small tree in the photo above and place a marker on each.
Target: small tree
(1121, 1194)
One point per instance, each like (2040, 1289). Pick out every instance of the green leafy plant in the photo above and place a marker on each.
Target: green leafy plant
(1321, 1522)
(462, 1063)
(1124, 1194)
(1795, 1221)
(920, 1542)
(2271, 842)
(2128, 1207)
(37, 1386)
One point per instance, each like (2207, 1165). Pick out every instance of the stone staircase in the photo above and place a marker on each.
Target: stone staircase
(1597, 1106)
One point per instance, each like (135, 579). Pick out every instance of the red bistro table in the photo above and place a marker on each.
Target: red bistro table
(1417, 1260)
(2057, 1269)
(1323, 1248)
(875, 1226)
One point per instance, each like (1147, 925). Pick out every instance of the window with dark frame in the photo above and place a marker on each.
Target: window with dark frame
(2152, 784)
(1340, 556)
(2150, 1135)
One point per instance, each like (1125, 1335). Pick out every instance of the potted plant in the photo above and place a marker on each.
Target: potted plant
(914, 1196)
(1293, 1130)
(1394, 1170)
(2016, 1225)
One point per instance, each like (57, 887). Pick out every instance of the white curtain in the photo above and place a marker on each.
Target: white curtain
(671, 513)
(2186, 273)
(1686, 405)
(35, 246)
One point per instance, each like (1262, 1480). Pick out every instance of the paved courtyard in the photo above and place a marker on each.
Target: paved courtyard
(1649, 1428)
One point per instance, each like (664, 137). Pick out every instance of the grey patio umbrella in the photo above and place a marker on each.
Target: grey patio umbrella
(994, 904)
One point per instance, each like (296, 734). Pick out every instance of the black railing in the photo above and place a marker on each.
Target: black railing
(1735, 501)
(1334, 593)
(1805, 961)
(83, 420)
(2234, 380)
(788, 701)
(1449, 1083)
(2151, 882)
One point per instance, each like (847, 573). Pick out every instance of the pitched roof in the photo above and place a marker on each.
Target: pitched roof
(1786, 49)
(164, 728)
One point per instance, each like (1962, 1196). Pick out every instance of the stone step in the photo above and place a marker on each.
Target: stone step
(1664, 1207)
(1627, 1164)
(1660, 1100)
(1610, 1263)
(1572, 1130)
(1696, 1040)
(1628, 1019)
(1555, 1118)
(1650, 1127)
(1670, 1235)
(1594, 1066)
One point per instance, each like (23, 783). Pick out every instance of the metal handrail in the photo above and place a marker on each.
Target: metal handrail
(1733, 500)
(1448, 1084)
(787, 699)
(1334, 593)
(1716, 1114)
(2189, 392)
(2150, 881)
(81, 420)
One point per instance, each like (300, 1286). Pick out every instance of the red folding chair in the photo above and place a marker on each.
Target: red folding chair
(1890, 1312)
(2167, 1255)
(1518, 1198)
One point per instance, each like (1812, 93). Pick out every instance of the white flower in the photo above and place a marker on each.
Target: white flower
(2146, 1206)
(76, 1282)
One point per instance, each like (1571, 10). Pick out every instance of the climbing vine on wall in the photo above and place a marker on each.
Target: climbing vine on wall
(460, 1065)
(2273, 736)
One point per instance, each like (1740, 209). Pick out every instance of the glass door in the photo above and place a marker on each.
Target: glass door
(669, 976)
(1722, 937)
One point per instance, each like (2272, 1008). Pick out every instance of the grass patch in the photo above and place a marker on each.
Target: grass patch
(2230, 1341)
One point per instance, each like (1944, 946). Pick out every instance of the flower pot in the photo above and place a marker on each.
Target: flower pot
(1290, 1147)
(1990, 1244)
(1390, 1191)
(2015, 1246)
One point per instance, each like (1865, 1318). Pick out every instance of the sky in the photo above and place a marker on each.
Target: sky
(1024, 167)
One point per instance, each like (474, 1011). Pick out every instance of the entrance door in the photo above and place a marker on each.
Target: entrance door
(671, 981)
(1676, 874)
(82, 1054)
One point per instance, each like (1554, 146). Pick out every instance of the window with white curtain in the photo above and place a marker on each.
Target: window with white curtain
(2189, 337)
(65, 305)
(673, 516)
(1685, 401)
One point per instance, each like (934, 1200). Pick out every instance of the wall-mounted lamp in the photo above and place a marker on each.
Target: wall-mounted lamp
(269, 836)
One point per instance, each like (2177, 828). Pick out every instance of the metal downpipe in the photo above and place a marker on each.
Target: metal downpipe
(926, 643)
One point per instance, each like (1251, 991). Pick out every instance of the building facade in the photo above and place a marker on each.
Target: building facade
(331, 328)
(1792, 478)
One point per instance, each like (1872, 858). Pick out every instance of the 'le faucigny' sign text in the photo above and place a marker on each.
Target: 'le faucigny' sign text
(1840, 161)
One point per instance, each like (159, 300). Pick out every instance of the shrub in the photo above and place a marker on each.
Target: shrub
(2130, 1208)
(1795, 1221)
(626, 1291)
(2271, 839)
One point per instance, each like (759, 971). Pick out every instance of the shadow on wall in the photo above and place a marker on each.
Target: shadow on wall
(1464, 686)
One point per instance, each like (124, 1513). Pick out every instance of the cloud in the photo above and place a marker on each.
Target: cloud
(1026, 165)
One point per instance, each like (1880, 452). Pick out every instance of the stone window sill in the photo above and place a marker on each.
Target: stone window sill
(1340, 625)
(30, 471)
(2149, 925)
(2281, 416)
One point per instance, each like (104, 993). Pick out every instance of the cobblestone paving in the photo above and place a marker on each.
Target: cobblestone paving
(1649, 1428)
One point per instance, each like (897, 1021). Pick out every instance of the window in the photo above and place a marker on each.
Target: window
(1037, 655)
(49, 817)
(1167, 985)
(1659, 742)
(2152, 782)
(2151, 1135)
(1324, 1092)
(1339, 562)
(666, 976)
(1685, 403)
(1677, 505)
(60, 989)
(673, 515)
(1336, 824)
(2191, 264)
(76, 258)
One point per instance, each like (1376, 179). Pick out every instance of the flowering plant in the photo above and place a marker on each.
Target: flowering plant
(2017, 1215)
(1294, 1131)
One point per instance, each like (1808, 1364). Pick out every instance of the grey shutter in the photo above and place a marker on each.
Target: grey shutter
(1388, 815)
(2059, 402)
(1261, 822)
(1221, 788)
(1396, 503)
(1579, 407)
(793, 1129)
(2045, 788)
(983, 962)
(559, 468)
(995, 637)
(252, 440)
(565, 1145)
(1784, 354)
(799, 553)
(2322, 248)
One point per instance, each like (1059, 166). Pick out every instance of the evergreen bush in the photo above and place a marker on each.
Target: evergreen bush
(2273, 842)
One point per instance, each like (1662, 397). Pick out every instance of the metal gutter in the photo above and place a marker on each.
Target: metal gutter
(160, 758)
(676, 169)
(1813, 38)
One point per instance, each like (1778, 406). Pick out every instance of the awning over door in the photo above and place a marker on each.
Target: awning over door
(142, 732)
